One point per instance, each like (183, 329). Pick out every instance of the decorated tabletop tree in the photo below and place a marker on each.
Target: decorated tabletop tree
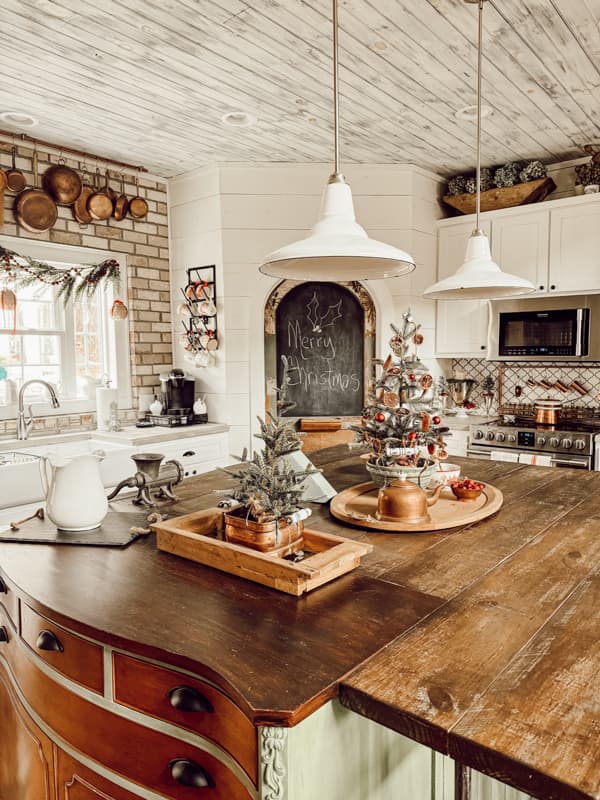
(398, 423)
(270, 486)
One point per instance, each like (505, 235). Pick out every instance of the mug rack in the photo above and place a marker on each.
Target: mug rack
(200, 296)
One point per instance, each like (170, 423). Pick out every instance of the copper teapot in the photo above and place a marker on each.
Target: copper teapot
(404, 501)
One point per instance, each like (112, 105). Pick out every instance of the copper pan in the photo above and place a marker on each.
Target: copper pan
(80, 212)
(99, 204)
(15, 180)
(34, 209)
(62, 183)
(110, 192)
(138, 206)
(121, 203)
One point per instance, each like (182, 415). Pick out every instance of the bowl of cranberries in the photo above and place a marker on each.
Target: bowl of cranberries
(467, 489)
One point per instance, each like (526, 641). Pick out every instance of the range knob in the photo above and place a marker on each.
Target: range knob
(500, 437)
(512, 437)
(567, 443)
(554, 442)
(540, 441)
(490, 436)
(478, 434)
(579, 444)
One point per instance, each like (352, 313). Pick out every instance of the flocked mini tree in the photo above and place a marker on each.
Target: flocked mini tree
(398, 423)
(268, 485)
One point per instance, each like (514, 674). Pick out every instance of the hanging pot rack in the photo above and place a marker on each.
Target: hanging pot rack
(24, 137)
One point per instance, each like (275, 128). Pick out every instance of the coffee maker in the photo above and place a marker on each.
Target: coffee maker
(176, 392)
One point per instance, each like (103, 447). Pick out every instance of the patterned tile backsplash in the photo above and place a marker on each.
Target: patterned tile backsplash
(507, 376)
(61, 423)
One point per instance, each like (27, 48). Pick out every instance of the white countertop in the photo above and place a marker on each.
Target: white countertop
(160, 433)
(456, 423)
(128, 436)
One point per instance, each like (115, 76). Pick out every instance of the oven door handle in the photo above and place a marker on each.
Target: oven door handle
(569, 462)
(479, 453)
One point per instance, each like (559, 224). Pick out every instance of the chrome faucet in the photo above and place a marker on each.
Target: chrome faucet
(24, 425)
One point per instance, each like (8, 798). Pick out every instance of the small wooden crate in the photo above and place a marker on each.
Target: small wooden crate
(199, 537)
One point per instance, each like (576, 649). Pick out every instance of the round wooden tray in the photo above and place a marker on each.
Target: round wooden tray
(358, 504)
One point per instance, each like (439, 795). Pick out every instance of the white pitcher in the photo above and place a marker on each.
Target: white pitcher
(75, 496)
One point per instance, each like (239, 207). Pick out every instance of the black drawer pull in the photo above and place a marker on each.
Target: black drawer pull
(49, 641)
(3, 587)
(189, 453)
(186, 698)
(3, 634)
(188, 773)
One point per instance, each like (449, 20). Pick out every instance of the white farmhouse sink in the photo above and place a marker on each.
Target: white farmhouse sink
(20, 480)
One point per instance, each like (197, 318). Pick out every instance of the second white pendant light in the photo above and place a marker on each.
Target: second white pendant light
(337, 247)
(479, 277)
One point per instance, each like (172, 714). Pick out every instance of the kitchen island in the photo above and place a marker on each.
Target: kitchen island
(478, 644)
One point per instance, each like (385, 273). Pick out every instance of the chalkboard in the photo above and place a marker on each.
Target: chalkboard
(320, 329)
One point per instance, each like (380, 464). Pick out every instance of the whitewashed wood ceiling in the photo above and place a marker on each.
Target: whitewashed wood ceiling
(148, 81)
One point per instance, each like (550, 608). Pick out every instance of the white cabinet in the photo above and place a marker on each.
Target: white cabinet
(575, 248)
(461, 325)
(520, 246)
(484, 788)
(457, 441)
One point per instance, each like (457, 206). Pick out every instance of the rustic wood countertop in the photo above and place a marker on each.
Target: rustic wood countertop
(481, 642)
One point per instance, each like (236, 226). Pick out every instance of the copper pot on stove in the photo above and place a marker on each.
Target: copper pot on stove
(547, 411)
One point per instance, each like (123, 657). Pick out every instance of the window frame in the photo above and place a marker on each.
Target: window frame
(116, 334)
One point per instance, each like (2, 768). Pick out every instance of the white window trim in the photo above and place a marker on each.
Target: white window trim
(117, 332)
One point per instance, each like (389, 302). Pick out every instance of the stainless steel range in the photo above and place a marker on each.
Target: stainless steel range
(571, 444)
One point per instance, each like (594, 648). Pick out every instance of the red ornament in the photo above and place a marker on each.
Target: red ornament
(379, 417)
(431, 448)
(412, 376)
(412, 436)
(436, 420)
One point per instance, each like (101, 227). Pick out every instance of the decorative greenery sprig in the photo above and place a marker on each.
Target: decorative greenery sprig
(75, 282)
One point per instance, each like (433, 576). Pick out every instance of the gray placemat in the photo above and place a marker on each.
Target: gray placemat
(114, 531)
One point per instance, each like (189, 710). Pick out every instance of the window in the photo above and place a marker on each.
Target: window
(71, 347)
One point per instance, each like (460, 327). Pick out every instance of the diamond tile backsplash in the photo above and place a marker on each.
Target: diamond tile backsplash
(507, 376)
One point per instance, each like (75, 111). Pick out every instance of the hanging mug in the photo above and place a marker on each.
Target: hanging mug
(207, 308)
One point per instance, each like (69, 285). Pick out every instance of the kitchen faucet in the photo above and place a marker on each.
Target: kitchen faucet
(24, 425)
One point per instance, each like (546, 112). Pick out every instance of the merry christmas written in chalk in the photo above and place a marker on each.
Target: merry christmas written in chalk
(320, 330)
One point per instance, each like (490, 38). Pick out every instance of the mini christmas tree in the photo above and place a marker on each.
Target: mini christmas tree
(398, 424)
(268, 485)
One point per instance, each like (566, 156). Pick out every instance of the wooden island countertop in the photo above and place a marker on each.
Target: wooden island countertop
(481, 642)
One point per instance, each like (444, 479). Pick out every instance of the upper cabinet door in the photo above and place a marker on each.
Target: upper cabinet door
(461, 328)
(520, 247)
(575, 248)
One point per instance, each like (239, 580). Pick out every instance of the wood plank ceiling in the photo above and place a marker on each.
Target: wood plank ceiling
(148, 81)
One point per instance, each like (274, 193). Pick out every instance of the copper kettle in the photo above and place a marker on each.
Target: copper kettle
(404, 501)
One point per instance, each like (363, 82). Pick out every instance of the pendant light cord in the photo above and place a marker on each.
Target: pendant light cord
(336, 101)
(479, 70)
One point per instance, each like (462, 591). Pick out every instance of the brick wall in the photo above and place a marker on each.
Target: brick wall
(146, 245)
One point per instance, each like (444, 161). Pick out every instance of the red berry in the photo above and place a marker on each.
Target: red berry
(412, 436)
(379, 417)
(412, 376)
(436, 420)
(431, 448)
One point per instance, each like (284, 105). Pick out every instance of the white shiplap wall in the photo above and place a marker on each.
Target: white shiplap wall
(235, 214)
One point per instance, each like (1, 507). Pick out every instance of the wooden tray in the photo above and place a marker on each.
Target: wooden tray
(198, 537)
(358, 504)
(517, 195)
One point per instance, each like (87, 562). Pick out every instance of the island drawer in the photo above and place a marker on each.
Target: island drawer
(71, 655)
(189, 703)
(9, 600)
(146, 757)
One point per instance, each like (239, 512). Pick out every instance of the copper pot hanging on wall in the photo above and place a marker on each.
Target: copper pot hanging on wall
(138, 206)
(62, 183)
(80, 210)
(34, 209)
(15, 180)
(121, 203)
(99, 204)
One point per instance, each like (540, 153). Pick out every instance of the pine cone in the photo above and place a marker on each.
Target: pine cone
(471, 185)
(456, 185)
(533, 171)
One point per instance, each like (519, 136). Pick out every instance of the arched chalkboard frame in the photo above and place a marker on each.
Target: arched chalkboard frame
(327, 331)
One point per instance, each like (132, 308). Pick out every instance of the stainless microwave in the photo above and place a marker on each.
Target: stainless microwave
(545, 329)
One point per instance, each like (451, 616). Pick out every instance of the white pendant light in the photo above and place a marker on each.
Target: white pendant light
(337, 248)
(479, 278)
